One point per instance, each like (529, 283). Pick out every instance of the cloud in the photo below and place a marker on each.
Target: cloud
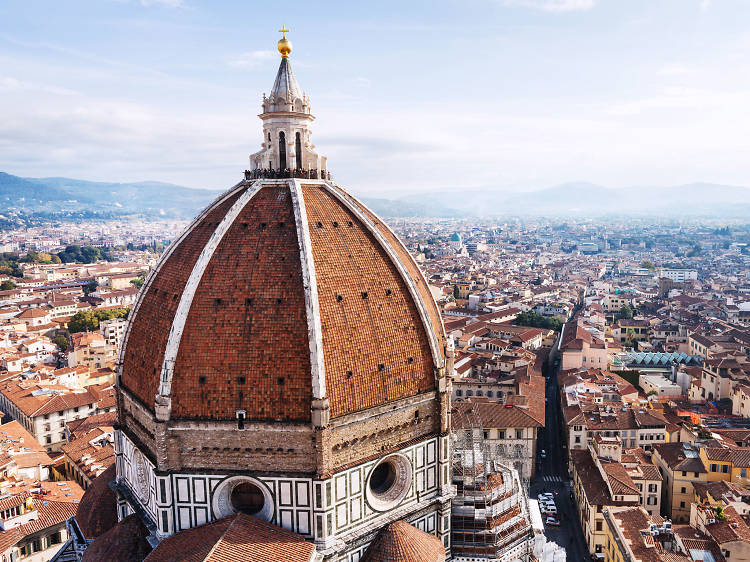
(675, 69)
(251, 59)
(8, 83)
(555, 5)
(705, 4)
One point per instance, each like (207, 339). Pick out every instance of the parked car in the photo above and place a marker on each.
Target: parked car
(552, 520)
(547, 496)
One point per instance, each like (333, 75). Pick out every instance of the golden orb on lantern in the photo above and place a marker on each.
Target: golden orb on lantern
(284, 45)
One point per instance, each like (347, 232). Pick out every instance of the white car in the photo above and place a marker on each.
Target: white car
(549, 507)
(548, 496)
(552, 520)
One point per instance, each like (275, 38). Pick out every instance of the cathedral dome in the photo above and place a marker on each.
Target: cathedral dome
(285, 360)
(280, 293)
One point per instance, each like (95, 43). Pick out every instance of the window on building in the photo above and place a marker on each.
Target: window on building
(598, 525)
(684, 473)
(695, 474)
(501, 434)
(724, 468)
(578, 439)
(683, 490)
(489, 394)
(713, 467)
(459, 392)
(682, 504)
(519, 433)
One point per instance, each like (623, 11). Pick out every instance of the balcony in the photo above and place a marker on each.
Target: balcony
(287, 173)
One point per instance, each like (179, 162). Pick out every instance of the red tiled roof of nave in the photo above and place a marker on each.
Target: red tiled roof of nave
(401, 542)
(233, 538)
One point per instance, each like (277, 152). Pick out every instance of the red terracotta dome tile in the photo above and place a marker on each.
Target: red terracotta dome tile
(231, 319)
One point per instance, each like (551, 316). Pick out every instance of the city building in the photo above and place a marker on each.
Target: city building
(680, 466)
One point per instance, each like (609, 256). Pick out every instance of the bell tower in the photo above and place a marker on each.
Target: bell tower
(286, 117)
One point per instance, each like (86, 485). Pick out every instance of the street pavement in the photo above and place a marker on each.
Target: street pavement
(552, 476)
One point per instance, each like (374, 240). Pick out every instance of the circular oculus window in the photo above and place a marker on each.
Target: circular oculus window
(389, 482)
(241, 494)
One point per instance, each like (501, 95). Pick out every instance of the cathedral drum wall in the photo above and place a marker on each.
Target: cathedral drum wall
(138, 421)
(347, 506)
(215, 446)
(378, 430)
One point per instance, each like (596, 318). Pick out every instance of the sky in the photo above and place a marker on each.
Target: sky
(409, 96)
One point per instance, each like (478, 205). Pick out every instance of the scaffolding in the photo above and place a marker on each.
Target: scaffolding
(490, 514)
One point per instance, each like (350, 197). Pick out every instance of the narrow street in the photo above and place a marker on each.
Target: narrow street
(552, 476)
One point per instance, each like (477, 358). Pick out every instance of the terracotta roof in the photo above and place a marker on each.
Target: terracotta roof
(231, 539)
(84, 425)
(675, 457)
(97, 512)
(632, 521)
(401, 542)
(734, 528)
(245, 343)
(124, 541)
(594, 485)
(51, 513)
(493, 415)
(93, 452)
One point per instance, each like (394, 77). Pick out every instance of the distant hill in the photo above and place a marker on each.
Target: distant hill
(15, 190)
(586, 199)
(400, 208)
(64, 194)
(55, 195)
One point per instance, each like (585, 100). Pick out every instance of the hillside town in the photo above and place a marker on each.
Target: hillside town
(609, 371)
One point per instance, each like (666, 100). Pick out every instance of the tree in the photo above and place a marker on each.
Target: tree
(648, 264)
(455, 291)
(138, 282)
(89, 288)
(84, 321)
(61, 341)
(84, 254)
(7, 285)
(536, 320)
(625, 312)
(88, 320)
